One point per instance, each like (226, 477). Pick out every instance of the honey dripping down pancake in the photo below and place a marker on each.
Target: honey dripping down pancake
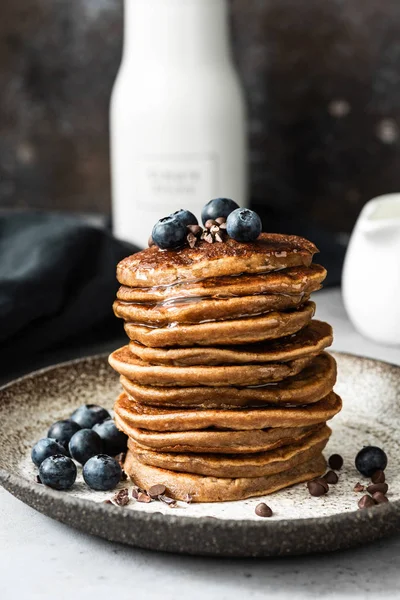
(220, 489)
(227, 387)
(131, 414)
(310, 385)
(312, 339)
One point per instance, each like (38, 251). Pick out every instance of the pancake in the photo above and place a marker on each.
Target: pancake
(294, 280)
(134, 415)
(259, 464)
(312, 339)
(181, 486)
(125, 363)
(200, 310)
(236, 331)
(271, 251)
(310, 385)
(218, 441)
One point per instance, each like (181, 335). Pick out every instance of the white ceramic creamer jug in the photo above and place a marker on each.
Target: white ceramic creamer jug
(371, 274)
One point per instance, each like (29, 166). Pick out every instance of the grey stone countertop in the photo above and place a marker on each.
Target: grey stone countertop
(40, 558)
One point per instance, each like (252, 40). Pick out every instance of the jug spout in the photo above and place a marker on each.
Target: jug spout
(380, 218)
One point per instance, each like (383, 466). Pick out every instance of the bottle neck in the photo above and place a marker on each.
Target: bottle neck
(176, 32)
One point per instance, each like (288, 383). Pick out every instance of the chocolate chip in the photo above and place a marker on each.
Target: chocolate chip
(167, 500)
(263, 510)
(121, 498)
(143, 497)
(331, 477)
(366, 502)
(38, 480)
(156, 490)
(358, 487)
(380, 498)
(209, 223)
(124, 476)
(191, 239)
(335, 462)
(120, 458)
(195, 229)
(317, 487)
(378, 477)
(135, 492)
(377, 487)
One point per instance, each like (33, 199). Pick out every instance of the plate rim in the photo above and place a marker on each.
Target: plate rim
(22, 488)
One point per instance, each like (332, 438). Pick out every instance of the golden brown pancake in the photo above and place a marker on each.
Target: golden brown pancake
(310, 385)
(294, 280)
(142, 373)
(235, 331)
(200, 310)
(182, 486)
(312, 339)
(271, 251)
(219, 441)
(155, 419)
(232, 465)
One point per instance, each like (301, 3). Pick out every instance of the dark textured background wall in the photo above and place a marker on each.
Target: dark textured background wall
(322, 80)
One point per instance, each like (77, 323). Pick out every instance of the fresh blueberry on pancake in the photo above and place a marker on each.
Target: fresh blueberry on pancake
(58, 472)
(45, 448)
(219, 207)
(185, 217)
(243, 225)
(88, 415)
(85, 444)
(169, 232)
(371, 459)
(102, 472)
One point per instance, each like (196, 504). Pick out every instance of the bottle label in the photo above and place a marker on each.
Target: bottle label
(175, 180)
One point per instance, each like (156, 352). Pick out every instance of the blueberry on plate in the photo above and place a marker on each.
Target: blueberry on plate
(58, 472)
(44, 448)
(102, 472)
(88, 415)
(219, 207)
(84, 444)
(185, 217)
(169, 232)
(371, 459)
(62, 431)
(243, 225)
(114, 440)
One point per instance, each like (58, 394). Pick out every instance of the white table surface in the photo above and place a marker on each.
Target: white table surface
(40, 558)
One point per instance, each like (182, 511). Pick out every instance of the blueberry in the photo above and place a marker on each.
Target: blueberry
(88, 415)
(185, 217)
(114, 441)
(169, 232)
(219, 207)
(371, 459)
(243, 225)
(44, 448)
(84, 444)
(102, 472)
(62, 431)
(58, 472)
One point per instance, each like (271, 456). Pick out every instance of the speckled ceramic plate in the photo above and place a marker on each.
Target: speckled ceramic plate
(301, 524)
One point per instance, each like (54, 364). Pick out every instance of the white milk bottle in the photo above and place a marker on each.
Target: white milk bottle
(177, 115)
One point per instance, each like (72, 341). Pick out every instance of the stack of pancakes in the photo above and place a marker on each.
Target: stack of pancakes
(227, 387)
